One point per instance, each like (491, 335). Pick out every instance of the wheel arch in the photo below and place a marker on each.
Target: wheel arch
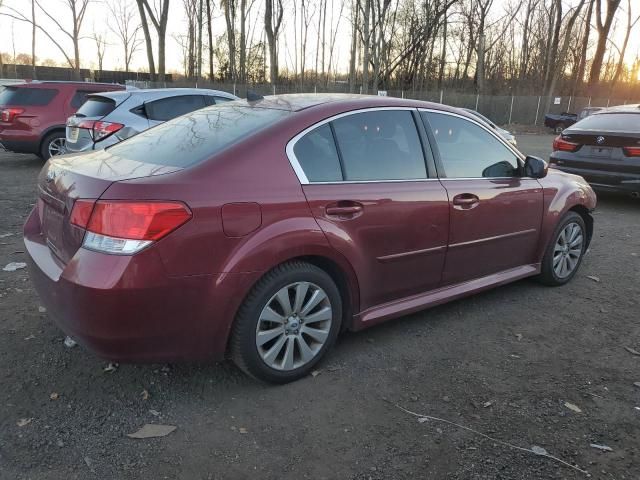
(49, 131)
(588, 220)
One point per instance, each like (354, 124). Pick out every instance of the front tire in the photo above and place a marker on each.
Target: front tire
(287, 323)
(53, 145)
(565, 251)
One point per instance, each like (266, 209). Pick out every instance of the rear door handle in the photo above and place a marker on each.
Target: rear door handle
(466, 200)
(344, 209)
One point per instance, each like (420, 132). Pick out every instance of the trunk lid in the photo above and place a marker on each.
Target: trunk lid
(603, 150)
(65, 179)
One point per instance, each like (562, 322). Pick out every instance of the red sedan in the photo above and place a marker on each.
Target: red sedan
(259, 230)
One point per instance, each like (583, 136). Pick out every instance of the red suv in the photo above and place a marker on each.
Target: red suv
(33, 115)
(261, 229)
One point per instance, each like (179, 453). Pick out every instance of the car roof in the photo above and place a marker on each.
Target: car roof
(296, 102)
(633, 108)
(44, 83)
(155, 93)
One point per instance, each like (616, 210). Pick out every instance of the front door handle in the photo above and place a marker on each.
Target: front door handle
(344, 209)
(465, 200)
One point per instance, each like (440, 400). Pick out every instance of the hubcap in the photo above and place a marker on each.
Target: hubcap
(567, 250)
(293, 326)
(58, 146)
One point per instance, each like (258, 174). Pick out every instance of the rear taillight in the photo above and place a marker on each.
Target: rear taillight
(8, 114)
(562, 145)
(632, 151)
(126, 227)
(100, 130)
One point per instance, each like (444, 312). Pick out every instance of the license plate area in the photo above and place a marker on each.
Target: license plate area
(74, 133)
(52, 226)
(601, 152)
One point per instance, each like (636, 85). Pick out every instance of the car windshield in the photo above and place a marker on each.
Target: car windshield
(194, 137)
(617, 122)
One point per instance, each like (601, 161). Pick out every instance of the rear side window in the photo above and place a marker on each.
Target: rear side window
(380, 145)
(195, 137)
(24, 96)
(172, 107)
(617, 122)
(316, 152)
(79, 98)
(96, 107)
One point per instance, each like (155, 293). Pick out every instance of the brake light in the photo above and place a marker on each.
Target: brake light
(8, 114)
(632, 151)
(100, 130)
(126, 227)
(560, 144)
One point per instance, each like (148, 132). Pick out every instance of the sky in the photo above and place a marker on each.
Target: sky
(17, 35)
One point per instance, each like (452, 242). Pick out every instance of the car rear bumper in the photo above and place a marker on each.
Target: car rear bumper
(126, 308)
(605, 180)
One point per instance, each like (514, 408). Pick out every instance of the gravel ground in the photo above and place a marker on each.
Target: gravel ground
(503, 363)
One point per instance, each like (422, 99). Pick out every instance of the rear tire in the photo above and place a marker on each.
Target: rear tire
(559, 128)
(53, 145)
(287, 323)
(565, 251)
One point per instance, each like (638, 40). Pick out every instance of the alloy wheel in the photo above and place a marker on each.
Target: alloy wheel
(293, 326)
(568, 250)
(57, 146)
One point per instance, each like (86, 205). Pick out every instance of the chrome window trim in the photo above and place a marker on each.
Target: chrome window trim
(519, 155)
(293, 160)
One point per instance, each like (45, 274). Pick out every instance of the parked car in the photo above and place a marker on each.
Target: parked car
(559, 122)
(33, 115)
(260, 229)
(604, 148)
(506, 134)
(108, 118)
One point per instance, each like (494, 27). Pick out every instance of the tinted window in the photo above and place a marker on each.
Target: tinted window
(97, 107)
(621, 122)
(316, 152)
(381, 145)
(468, 150)
(195, 137)
(79, 98)
(172, 107)
(36, 97)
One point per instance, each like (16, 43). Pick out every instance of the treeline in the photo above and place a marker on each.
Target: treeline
(543, 47)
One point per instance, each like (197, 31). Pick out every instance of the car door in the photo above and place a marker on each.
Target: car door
(164, 109)
(366, 180)
(495, 212)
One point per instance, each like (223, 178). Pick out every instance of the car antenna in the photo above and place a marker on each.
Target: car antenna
(253, 96)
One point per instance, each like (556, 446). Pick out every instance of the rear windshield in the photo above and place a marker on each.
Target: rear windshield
(25, 96)
(616, 122)
(96, 107)
(196, 136)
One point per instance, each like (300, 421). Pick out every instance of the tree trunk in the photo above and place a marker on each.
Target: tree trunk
(147, 38)
(200, 20)
(444, 50)
(229, 17)
(603, 34)
(630, 24)
(582, 64)
(210, 38)
(34, 75)
(366, 40)
(243, 41)
(355, 5)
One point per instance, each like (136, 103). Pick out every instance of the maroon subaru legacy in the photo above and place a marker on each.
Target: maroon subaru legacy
(259, 230)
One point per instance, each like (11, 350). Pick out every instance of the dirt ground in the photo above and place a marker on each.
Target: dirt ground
(503, 363)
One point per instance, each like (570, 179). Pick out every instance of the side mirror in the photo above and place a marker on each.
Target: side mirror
(535, 167)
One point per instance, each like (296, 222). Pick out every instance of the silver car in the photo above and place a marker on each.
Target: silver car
(108, 118)
(506, 134)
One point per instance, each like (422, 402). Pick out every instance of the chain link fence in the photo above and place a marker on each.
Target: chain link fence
(501, 109)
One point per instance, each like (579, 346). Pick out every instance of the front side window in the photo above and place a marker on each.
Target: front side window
(468, 150)
(380, 145)
(172, 107)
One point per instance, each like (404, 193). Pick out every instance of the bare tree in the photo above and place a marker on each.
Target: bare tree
(101, 45)
(159, 16)
(33, 40)
(122, 22)
(630, 24)
(604, 26)
(272, 24)
(229, 7)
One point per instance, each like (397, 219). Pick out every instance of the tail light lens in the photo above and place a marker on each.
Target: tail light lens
(8, 114)
(632, 151)
(124, 227)
(560, 144)
(100, 130)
